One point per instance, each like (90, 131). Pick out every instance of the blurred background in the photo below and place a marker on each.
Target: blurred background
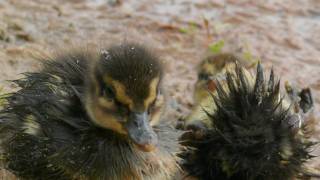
(284, 34)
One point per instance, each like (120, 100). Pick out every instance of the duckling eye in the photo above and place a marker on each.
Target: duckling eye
(108, 92)
(203, 76)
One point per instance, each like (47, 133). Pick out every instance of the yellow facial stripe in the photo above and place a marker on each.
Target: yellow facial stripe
(105, 103)
(152, 92)
(106, 120)
(120, 91)
(157, 110)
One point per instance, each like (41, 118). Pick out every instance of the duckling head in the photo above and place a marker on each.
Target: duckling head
(209, 69)
(123, 93)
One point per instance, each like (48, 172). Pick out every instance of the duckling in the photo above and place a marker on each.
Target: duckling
(210, 69)
(248, 129)
(90, 115)
(214, 68)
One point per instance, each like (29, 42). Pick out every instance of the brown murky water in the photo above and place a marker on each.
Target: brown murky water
(283, 34)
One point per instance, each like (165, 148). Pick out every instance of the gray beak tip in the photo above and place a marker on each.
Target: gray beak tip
(141, 133)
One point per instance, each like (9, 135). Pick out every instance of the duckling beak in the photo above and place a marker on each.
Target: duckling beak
(140, 131)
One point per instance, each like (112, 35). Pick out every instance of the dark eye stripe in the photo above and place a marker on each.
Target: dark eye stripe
(108, 92)
(103, 89)
(122, 109)
(203, 76)
(115, 114)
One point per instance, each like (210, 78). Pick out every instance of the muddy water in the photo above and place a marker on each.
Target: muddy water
(283, 34)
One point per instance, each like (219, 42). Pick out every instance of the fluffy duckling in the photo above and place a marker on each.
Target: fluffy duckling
(248, 130)
(211, 68)
(89, 115)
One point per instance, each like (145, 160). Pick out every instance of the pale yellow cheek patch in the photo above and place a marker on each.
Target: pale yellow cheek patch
(159, 106)
(152, 92)
(30, 125)
(106, 120)
(155, 117)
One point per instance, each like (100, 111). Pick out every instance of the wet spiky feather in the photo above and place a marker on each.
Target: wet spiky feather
(46, 132)
(252, 135)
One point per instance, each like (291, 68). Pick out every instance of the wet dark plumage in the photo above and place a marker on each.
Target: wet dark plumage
(253, 134)
(68, 145)
(140, 66)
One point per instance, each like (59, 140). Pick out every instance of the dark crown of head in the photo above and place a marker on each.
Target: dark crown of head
(132, 65)
(129, 59)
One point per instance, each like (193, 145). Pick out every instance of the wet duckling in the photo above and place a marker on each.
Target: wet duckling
(90, 115)
(248, 130)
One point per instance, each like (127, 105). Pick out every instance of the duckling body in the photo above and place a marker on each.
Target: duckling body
(88, 116)
(245, 129)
